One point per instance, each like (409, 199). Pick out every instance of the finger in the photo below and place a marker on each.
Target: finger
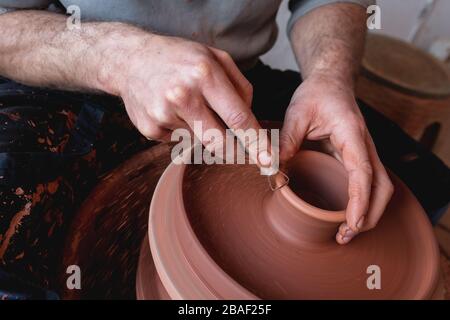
(165, 117)
(146, 125)
(381, 193)
(351, 145)
(193, 110)
(345, 234)
(382, 188)
(165, 138)
(175, 132)
(207, 128)
(294, 130)
(231, 108)
(154, 132)
(240, 82)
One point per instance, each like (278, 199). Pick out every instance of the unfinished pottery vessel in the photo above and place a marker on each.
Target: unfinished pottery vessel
(220, 232)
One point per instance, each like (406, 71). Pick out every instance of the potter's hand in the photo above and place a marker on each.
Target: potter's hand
(165, 82)
(323, 108)
(168, 83)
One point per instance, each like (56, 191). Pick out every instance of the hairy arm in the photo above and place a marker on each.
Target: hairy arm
(328, 43)
(166, 83)
(37, 48)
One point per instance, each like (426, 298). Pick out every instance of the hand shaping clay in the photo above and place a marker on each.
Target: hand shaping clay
(220, 232)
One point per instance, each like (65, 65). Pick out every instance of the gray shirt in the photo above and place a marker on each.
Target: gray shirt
(244, 28)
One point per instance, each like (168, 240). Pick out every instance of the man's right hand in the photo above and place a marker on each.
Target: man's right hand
(168, 83)
(165, 82)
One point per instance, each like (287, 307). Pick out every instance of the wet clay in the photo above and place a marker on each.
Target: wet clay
(219, 232)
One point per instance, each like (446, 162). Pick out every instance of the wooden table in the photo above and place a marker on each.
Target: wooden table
(411, 88)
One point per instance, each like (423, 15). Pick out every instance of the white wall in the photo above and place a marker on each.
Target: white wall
(398, 19)
(438, 27)
(281, 56)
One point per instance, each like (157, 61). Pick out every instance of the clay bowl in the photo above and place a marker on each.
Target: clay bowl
(220, 232)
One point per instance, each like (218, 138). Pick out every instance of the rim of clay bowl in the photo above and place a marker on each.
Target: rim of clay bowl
(304, 207)
(189, 250)
(200, 286)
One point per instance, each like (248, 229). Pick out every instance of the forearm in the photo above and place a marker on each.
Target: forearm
(37, 48)
(330, 41)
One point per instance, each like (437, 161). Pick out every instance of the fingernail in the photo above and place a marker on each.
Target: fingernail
(264, 159)
(349, 233)
(360, 223)
(346, 239)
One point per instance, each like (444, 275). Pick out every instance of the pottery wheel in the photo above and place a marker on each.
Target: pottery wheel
(106, 233)
(226, 209)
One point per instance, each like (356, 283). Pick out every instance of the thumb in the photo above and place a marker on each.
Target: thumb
(291, 136)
